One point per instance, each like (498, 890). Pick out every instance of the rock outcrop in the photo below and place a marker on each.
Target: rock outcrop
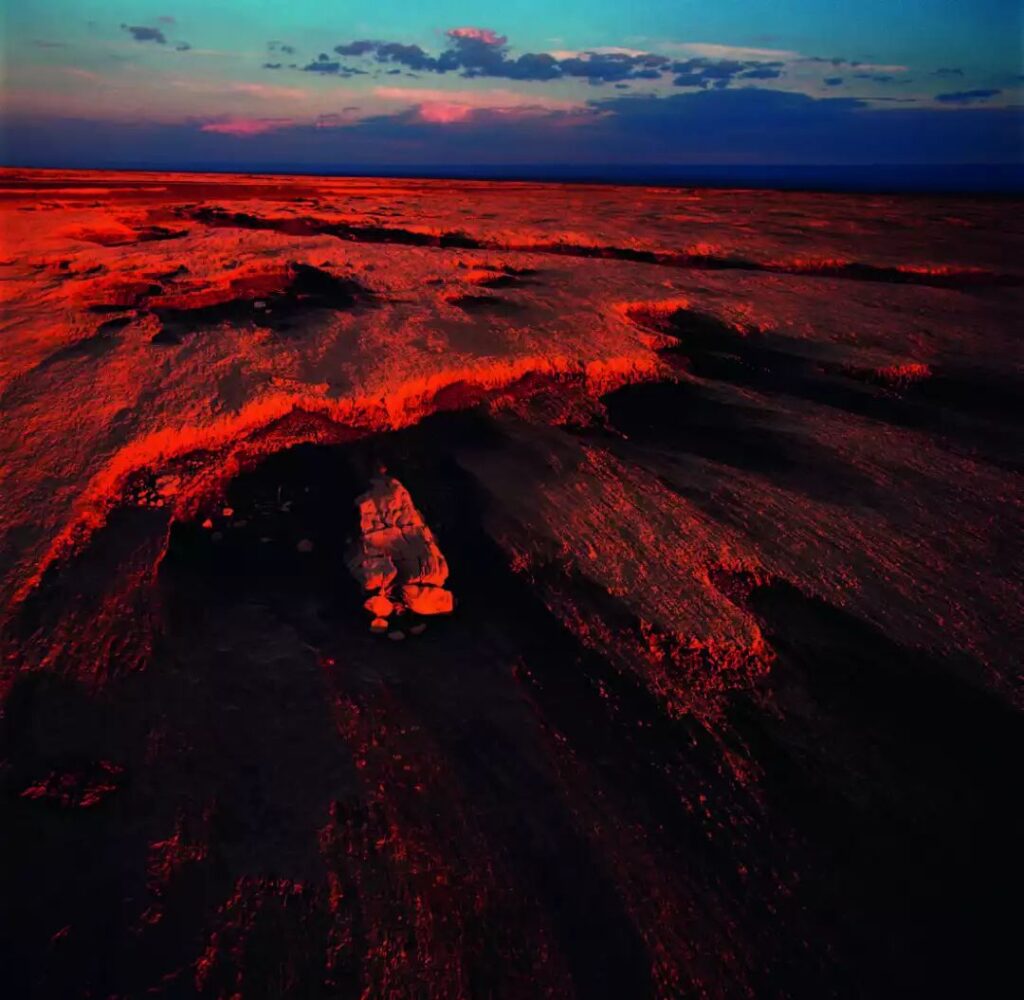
(396, 558)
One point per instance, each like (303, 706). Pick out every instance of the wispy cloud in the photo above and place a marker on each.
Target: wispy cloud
(710, 50)
(247, 126)
(967, 96)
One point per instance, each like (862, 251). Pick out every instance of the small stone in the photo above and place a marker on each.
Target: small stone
(228, 511)
(397, 636)
(207, 524)
(426, 600)
(305, 545)
(379, 606)
(418, 629)
(379, 625)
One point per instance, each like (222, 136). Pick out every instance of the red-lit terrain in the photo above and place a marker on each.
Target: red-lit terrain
(726, 487)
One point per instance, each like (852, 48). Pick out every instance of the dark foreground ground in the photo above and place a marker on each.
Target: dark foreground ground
(729, 487)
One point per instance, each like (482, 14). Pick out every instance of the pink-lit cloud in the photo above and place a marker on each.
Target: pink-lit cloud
(445, 112)
(446, 104)
(247, 126)
(484, 35)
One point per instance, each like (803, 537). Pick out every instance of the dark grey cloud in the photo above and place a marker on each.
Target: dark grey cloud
(283, 48)
(270, 65)
(325, 66)
(356, 48)
(967, 96)
(719, 73)
(143, 33)
(182, 47)
(411, 56)
(614, 66)
(42, 43)
(833, 81)
(948, 71)
(478, 52)
(322, 64)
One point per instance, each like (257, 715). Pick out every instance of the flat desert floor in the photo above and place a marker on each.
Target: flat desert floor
(725, 487)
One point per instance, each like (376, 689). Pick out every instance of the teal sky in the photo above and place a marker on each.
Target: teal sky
(211, 70)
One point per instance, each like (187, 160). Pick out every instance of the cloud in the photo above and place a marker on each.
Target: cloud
(481, 52)
(446, 106)
(856, 64)
(408, 55)
(948, 71)
(967, 96)
(326, 66)
(761, 73)
(483, 35)
(247, 126)
(833, 81)
(284, 49)
(347, 116)
(182, 47)
(879, 67)
(356, 48)
(704, 73)
(706, 50)
(42, 43)
(166, 19)
(142, 33)
(322, 64)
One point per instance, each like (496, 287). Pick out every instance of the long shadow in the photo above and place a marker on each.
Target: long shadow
(894, 770)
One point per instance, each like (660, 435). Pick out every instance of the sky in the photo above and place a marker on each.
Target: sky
(336, 84)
